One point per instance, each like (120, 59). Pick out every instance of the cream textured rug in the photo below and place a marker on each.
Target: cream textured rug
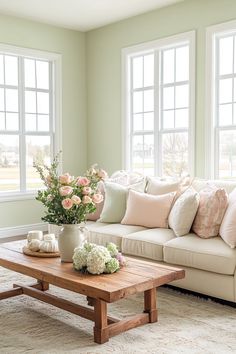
(186, 324)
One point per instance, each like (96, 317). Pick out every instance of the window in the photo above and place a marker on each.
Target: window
(221, 101)
(27, 118)
(159, 106)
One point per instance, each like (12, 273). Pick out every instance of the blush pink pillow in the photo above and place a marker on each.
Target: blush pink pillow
(228, 226)
(212, 206)
(148, 210)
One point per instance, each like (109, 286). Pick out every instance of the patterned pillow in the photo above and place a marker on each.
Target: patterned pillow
(212, 206)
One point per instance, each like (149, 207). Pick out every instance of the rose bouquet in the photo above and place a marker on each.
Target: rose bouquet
(68, 199)
(95, 259)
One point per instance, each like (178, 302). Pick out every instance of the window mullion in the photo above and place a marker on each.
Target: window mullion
(21, 95)
(156, 113)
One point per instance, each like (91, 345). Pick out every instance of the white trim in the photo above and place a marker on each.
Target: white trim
(212, 33)
(55, 111)
(152, 47)
(21, 230)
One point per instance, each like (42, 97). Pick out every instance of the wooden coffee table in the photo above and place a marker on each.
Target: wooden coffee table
(137, 276)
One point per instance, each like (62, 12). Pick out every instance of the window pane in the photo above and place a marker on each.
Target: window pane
(181, 118)
(148, 101)
(37, 148)
(182, 63)
(43, 122)
(168, 66)
(149, 70)
(148, 154)
(226, 55)
(1, 70)
(181, 96)
(43, 102)
(168, 119)
(168, 98)
(227, 154)
(138, 102)
(12, 121)
(137, 153)
(11, 70)
(225, 114)
(175, 154)
(2, 121)
(30, 102)
(9, 163)
(225, 91)
(29, 73)
(42, 71)
(138, 122)
(30, 122)
(2, 106)
(11, 100)
(138, 72)
(149, 121)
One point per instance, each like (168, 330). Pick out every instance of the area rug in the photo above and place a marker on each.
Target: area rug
(187, 324)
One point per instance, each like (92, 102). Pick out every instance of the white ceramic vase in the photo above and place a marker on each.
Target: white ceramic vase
(70, 237)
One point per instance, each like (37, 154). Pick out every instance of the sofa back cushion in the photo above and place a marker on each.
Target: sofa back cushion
(200, 184)
(212, 206)
(183, 212)
(228, 225)
(148, 210)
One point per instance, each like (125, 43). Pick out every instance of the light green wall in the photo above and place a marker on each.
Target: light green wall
(71, 45)
(104, 70)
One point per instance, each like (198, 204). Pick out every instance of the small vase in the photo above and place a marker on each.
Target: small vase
(70, 237)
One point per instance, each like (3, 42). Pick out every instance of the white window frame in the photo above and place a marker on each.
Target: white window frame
(145, 48)
(211, 136)
(56, 110)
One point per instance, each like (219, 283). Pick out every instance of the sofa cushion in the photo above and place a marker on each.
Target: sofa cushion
(210, 254)
(183, 212)
(148, 243)
(228, 225)
(148, 210)
(212, 206)
(199, 184)
(103, 233)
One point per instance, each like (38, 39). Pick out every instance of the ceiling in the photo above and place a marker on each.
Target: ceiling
(82, 15)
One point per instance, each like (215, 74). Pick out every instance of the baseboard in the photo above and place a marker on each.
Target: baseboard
(21, 230)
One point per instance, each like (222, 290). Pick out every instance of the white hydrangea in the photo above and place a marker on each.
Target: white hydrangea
(97, 259)
(112, 248)
(80, 257)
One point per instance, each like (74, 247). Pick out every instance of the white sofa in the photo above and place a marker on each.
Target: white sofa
(210, 264)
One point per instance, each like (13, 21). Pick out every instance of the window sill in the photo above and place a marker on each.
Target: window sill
(13, 197)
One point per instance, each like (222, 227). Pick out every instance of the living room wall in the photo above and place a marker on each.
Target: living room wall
(71, 45)
(104, 71)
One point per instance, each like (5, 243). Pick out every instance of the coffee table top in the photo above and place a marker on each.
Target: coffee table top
(136, 276)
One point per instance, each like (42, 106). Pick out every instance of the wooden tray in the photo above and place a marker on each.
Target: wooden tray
(28, 252)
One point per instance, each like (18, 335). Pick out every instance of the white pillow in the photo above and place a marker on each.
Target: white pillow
(228, 225)
(183, 212)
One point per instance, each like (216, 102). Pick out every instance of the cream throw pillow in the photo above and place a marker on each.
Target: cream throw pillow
(228, 226)
(158, 187)
(183, 212)
(148, 210)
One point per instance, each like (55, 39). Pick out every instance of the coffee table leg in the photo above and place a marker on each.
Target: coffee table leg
(101, 333)
(150, 305)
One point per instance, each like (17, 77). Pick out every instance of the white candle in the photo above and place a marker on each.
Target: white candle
(35, 235)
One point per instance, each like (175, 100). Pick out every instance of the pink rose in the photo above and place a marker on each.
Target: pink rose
(82, 181)
(97, 198)
(76, 200)
(87, 190)
(102, 174)
(66, 178)
(65, 190)
(86, 199)
(49, 198)
(67, 203)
